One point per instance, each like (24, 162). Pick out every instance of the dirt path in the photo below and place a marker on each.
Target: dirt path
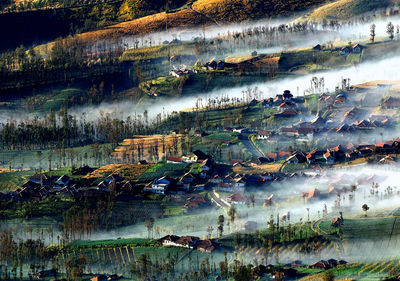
(249, 145)
(334, 239)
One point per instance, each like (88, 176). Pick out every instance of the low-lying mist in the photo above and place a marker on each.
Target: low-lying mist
(385, 69)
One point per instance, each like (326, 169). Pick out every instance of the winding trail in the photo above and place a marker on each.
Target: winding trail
(333, 238)
(218, 201)
(249, 145)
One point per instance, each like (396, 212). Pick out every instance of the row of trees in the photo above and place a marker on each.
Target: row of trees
(390, 30)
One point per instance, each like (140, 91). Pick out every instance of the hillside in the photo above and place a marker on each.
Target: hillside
(240, 10)
(201, 12)
(157, 22)
(344, 9)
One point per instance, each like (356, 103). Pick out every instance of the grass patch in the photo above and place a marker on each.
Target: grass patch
(221, 137)
(163, 169)
(10, 181)
(135, 242)
(345, 9)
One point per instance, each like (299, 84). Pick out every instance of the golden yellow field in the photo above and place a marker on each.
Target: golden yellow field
(157, 22)
(129, 147)
(257, 169)
(129, 171)
(345, 9)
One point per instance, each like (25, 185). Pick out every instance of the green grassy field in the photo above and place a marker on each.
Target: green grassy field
(9, 181)
(163, 169)
(374, 228)
(33, 159)
(132, 242)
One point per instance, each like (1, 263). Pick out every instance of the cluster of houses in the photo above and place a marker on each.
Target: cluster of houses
(339, 185)
(195, 202)
(310, 129)
(189, 181)
(179, 72)
(41, 185)
(323, 264)
(390, 103)
(103, 277)
(217, 65)
(285, 100)
(341, 153)
(191, 242)
(332, 100)
(355, 49)
(302, 129)
(287, 104)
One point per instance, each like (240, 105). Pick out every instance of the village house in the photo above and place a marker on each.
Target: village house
(216, 179)
(297, 158)
(239, 183)
(365, 125)
(288, 105)
(345, 50)
(186, 181)
(269, 102)
(205, 246)
(323, 264)
(315, 156)
(100, 277)
(230, 184)
(206, 166)
(45, 274)
(287, 95)
(350, 115)
(289, 131)
(337, 152)
(210, 65)
(357, 48)
(181, 72)
(201, 156)
(278, 100)
(324, 98)
(200, 133)
(112, 181)
(62, 181)
(343, 129)
(312, 194)
(159, 186)
(365, 152)
(240, 130)
(191, 242)
(317, 47)
(330, 159)
(340, 98)
(352, 155)
(195, 202)
(174, 160)
(187, 242)
(263, 135)
(169, 240)
(190, 158)
(286, 113)
(384, 148)
(238, 198)
(390, 103)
